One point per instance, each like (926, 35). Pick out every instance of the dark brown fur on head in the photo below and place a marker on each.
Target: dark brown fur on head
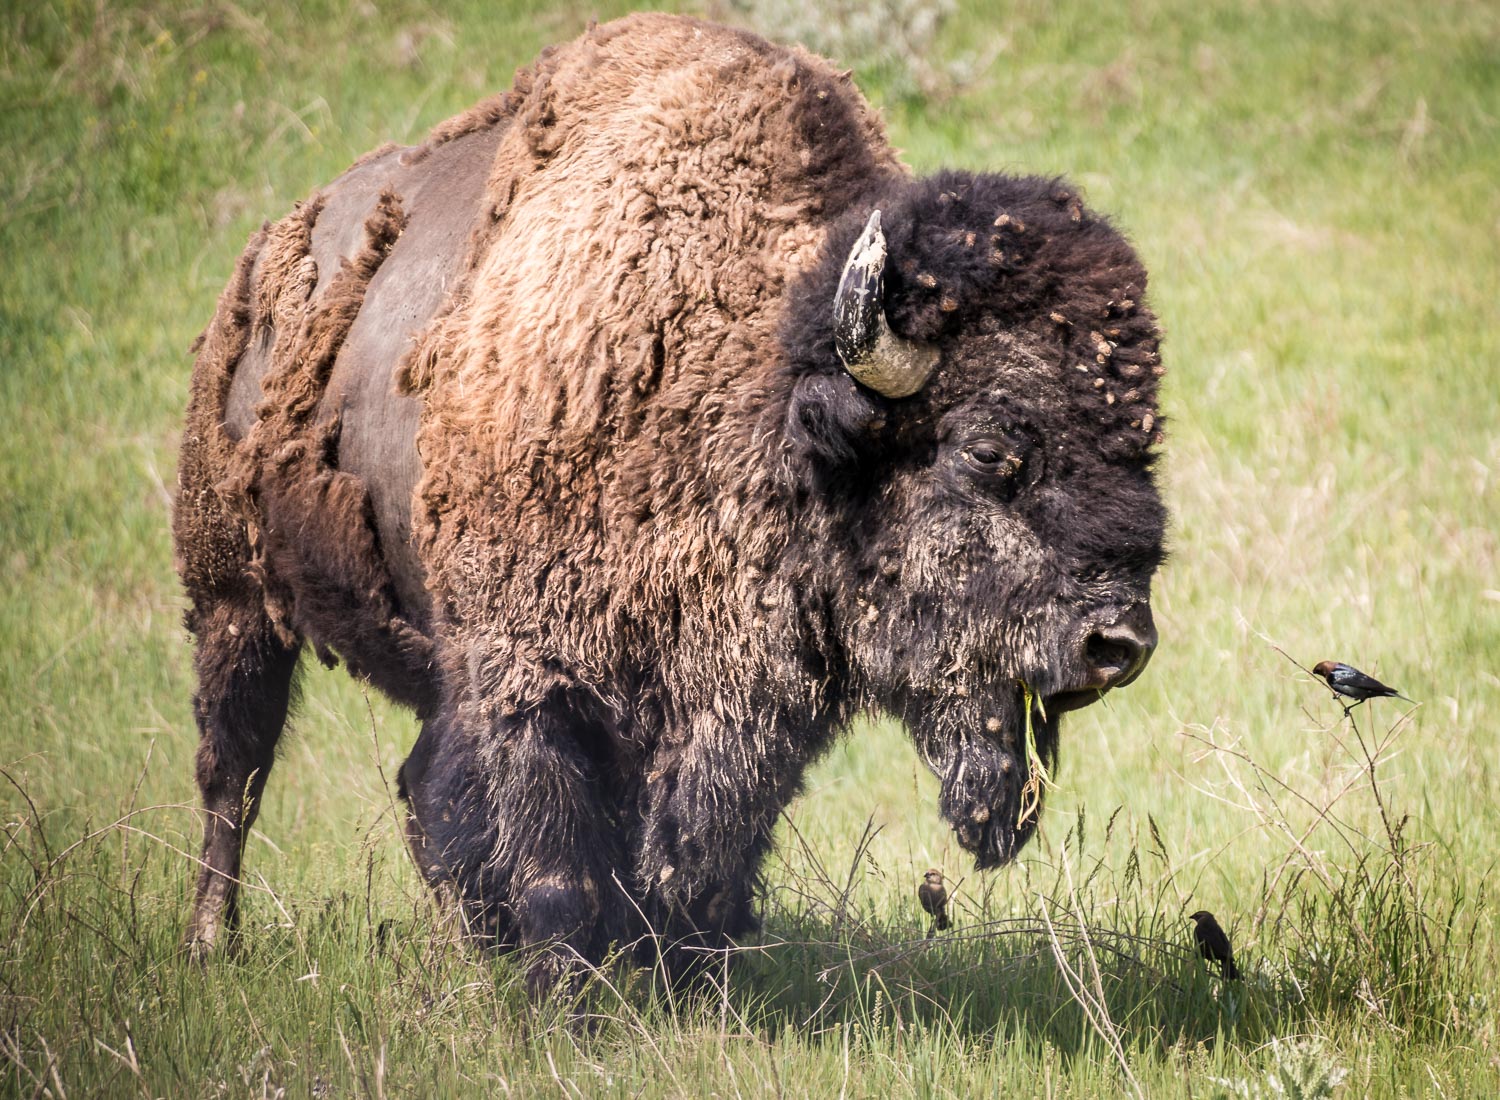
(983, 266)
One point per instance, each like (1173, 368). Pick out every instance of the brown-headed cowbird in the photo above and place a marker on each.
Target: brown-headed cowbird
(1351, 683)
(1213, 943)
(934, 898)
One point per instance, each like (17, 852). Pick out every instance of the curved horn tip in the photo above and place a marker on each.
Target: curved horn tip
(865, 264)
(858, 308)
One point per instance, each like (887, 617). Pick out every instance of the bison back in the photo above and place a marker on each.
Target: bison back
(300, 455)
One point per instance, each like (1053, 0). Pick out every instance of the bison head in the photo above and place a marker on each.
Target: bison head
(974, 411)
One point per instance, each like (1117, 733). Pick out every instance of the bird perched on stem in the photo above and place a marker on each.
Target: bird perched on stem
(1213, 943)
(933, 895)
(1351, 683)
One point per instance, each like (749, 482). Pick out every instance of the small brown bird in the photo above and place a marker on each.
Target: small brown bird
(1213, 943)
(1351, 683)
(934, 898)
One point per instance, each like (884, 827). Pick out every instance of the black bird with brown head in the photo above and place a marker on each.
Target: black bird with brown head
(1213, 943)
(1351, 683)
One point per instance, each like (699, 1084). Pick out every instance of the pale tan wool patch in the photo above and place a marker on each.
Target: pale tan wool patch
(650, 202)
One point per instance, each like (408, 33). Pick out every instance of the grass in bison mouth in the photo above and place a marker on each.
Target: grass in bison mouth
(1037, 777)
(1040, 714)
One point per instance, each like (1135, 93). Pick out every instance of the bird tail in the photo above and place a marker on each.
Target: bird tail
(1408, 698)
(1231, 972)
(942, 922)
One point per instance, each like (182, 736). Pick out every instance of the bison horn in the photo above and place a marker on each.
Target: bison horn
(871, 352)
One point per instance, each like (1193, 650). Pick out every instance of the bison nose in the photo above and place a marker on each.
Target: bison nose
(1116, 653)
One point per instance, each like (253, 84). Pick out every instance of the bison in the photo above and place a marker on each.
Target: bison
(638, 430)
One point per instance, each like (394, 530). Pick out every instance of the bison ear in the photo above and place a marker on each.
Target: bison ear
(827, 416)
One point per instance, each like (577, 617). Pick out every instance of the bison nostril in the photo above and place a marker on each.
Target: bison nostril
(1116, 654)
(1105, 653)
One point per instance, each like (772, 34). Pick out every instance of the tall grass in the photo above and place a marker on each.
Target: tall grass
(1083, 969)
(1312, 187)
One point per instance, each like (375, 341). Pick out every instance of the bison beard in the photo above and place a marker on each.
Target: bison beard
(638, 430)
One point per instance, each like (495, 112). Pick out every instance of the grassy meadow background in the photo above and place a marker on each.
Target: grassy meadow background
(1316, 191)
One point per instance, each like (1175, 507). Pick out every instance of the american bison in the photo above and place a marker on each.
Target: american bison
(638, 430)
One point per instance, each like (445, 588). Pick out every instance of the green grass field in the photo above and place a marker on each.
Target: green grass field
(1316, 191)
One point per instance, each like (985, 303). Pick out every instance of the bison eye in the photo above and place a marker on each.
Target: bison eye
(1002, 465)
(995, 459)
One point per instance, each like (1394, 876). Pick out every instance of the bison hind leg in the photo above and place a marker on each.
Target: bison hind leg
(245, 668)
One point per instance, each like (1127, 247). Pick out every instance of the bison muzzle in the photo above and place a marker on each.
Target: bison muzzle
(639, 429)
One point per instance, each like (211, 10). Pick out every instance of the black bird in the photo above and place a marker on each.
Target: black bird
(934, 898)
(1350, 682)
(1213, 943)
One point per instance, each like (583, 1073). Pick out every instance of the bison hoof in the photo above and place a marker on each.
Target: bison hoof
(555, 972)
(200, 945)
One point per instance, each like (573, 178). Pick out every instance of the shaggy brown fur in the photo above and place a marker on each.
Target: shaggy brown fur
(663, 545)
(547, 408)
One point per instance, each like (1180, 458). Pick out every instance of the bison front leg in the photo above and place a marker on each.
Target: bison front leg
(693, 932)
(712, 801)
(559, 845)
(451, 829)
(515, 823)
